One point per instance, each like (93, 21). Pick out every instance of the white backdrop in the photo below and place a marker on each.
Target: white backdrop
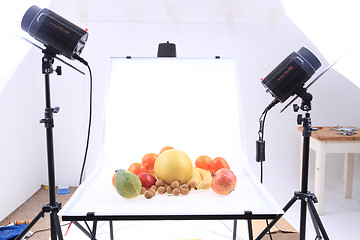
(190, 104)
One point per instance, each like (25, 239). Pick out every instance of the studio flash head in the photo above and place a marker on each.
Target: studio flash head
(54, 31)
(291, 74)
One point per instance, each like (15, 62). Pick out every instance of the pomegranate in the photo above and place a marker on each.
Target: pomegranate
(223, 181)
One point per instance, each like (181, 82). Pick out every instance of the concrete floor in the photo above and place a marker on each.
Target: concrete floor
(32, 207)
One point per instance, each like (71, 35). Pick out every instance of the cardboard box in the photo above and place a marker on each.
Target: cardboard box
(282, 230)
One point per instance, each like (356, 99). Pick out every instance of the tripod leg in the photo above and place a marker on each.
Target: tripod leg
(273, 222)
(31, 224)
(56, 229)
(302, 220)
(316, 226)
(52, 227)
(317, 219)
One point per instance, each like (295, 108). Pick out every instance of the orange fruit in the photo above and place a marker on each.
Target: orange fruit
(203, 162)
(113, 179)
(165, 149)
(148, 161)
(218, 163)
(137, 168)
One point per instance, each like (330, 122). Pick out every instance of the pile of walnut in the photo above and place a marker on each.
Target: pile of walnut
(161, 187)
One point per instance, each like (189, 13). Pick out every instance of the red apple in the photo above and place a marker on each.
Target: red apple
(147, 180)
(223, 181)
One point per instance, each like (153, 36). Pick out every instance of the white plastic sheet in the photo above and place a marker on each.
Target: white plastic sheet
(190, 104)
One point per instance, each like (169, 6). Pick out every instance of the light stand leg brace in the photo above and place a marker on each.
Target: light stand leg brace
(53, 207)
(307, 198)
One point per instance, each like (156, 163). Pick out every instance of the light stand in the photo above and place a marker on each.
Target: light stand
(307, 198)
(53, 207)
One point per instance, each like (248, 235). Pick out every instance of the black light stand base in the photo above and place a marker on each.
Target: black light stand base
(55, 223)
(307, 198)
(53, 207)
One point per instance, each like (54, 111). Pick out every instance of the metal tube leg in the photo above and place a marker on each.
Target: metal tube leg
(251, 237)
(316, 216)
(57, 227)
(111, 230)
(94, 230)
(273, 222)
(316, 226)
(31, 224)
(53, 228)
(320, 166)
(302, 220)
(82, 229)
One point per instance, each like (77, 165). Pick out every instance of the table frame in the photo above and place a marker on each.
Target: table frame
(91, 216)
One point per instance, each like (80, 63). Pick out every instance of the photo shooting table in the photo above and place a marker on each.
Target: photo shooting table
(324, 141)
(191, 104)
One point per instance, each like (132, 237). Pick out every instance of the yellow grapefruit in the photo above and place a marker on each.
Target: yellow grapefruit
(173, 165)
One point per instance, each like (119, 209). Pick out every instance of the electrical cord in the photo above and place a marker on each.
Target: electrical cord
(260, 145)
(45, 230)
(262, 154)
(89, 129)
(90, 116)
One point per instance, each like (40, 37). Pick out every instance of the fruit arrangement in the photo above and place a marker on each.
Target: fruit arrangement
(172, 172)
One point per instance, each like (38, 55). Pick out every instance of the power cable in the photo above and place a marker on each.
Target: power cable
(260, 145)
(90, 117)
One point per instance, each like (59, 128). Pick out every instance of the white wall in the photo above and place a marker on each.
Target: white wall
(256, 33)
(20, 161)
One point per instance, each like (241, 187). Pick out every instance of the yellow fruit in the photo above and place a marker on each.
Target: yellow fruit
(173, 165)
(195, 179)
(205, 179)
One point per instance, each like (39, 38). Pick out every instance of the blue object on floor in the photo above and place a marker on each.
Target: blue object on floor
(11, 232)
(63, 189)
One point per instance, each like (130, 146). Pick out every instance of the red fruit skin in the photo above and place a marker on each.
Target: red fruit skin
(223, 181)
(147, 180)
(218, 163)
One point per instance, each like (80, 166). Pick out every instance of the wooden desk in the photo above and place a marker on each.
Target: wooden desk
(326, 141)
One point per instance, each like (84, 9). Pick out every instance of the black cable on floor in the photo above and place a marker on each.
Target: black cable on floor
(45, 230)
